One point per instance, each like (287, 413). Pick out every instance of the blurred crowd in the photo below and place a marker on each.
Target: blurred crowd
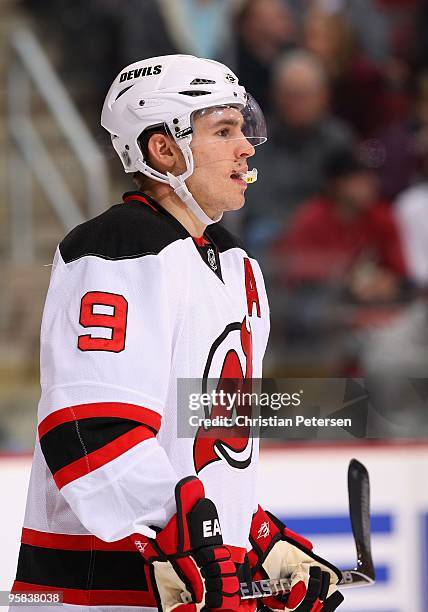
(338, 214)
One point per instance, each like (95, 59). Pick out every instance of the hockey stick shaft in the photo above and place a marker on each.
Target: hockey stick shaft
(282, 586)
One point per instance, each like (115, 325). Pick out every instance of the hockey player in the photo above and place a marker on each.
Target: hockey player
(123, 514)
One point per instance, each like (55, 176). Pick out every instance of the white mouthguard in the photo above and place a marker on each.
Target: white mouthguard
(250, 176)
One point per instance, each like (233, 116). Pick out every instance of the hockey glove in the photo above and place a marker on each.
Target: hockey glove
(188, 555)
(280, 553)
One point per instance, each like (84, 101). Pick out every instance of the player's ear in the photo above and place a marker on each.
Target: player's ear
(164, 154)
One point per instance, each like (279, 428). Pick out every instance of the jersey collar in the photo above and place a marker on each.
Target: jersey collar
(132, 196)
(143, 198)
(205, 245)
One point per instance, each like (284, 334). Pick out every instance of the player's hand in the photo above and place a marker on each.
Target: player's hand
(188, 555)
(280, 553)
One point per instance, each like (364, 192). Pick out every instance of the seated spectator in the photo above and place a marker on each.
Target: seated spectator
(365, 94)
(372, 27)
(403, 144)
(344, 237)
(265, 28)
(339, 271)
(302, 135)
(379, 25)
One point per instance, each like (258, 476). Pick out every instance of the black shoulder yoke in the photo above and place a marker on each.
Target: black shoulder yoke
(139, 226)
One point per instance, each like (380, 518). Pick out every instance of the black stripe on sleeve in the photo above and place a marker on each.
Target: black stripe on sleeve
(71, 569)
(70, 441)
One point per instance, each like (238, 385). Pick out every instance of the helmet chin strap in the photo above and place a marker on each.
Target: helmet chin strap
(179, 185)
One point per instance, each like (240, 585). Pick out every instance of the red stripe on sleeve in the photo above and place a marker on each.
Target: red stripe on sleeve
(101, 456)
(64, 541)
(95, 597)
(147, 417)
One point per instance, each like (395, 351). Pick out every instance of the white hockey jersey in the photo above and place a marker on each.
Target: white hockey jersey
(134, 304)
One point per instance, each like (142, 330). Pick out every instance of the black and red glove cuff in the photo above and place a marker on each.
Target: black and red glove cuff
(266, 529)
(195, 525)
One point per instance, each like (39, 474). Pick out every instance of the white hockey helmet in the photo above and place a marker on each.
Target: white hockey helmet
(166, 91)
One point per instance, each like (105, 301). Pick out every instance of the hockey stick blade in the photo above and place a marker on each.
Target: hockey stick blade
(359, 511)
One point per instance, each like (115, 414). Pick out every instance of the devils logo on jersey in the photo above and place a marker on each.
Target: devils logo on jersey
(231, 354)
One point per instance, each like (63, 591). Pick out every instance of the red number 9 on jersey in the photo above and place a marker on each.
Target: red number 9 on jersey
(115, 321)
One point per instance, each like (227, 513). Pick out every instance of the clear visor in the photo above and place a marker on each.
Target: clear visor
(210, 132)
(229, 122)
